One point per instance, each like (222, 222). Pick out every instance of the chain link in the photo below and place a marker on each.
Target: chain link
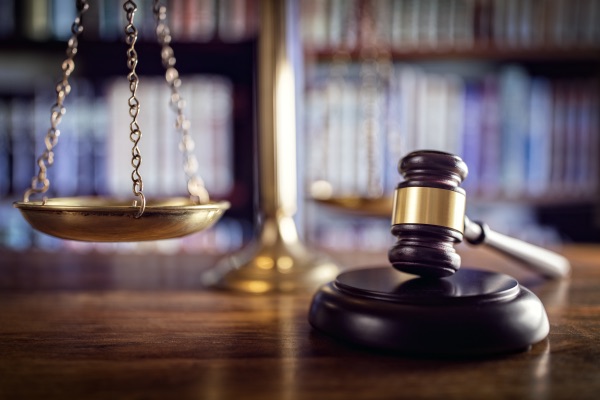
(40, 183)
(195, 184)
(135, 134)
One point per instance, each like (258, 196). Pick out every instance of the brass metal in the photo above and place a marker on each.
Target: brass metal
(97, 219)
(362, 206)
(432, 206)
(277, 260)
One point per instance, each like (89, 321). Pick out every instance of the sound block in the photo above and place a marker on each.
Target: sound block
(471, 313)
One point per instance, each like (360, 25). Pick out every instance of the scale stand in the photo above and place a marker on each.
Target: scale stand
(277, 261)
(430, 307)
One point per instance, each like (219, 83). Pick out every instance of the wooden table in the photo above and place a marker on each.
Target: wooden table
(139, 326)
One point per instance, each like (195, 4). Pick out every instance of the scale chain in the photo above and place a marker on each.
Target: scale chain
(134, 106)
(40, 183)
(195, 184)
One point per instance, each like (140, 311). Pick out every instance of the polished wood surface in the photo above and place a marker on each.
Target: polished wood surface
(140, 326)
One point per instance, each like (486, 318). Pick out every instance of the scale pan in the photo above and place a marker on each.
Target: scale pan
(364, 206)
(97, 219)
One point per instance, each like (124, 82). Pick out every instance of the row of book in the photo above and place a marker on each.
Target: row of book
(446, 24)
(93, 155)
(189, 20)
(521, 136)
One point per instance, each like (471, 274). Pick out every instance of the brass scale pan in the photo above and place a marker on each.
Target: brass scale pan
(112, 220)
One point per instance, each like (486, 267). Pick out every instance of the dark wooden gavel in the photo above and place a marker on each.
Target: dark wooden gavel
(429, 219)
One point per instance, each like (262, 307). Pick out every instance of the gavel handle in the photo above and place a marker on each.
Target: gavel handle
(545, 262)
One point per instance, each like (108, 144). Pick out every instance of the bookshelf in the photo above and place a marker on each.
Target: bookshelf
(215, 46)
(456, 47)
(511, 86)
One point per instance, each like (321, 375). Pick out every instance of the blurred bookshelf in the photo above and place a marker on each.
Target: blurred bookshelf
(215, 45)
(512, 86)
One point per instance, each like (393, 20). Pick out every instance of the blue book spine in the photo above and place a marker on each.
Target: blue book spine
(514, 103)
(22, 145)
(5, 170)
(7, 18)
(540, 137)
(472, 128)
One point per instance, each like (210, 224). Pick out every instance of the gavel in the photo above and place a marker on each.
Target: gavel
(427, 304)
(429, 219)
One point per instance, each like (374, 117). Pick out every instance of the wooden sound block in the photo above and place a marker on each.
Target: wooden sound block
(471, 313)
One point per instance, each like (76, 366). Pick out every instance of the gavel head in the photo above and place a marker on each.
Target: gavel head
(429, 212)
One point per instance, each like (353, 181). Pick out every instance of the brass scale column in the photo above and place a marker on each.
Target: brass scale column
(277, 260)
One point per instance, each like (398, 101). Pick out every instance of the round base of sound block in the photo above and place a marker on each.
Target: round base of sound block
(471, 313)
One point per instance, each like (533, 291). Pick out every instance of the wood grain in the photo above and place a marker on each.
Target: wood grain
(141, 327)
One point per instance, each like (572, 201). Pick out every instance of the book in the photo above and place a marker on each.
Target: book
(463, 24)
(483, 13)
(559, 137)
(232, 18)
(490, 139)
(342, 24)
(84, 131)
(5, 150)
(471, 135)
(313, 22)
(23, 155)
(591, 110)
(170, 163)
(588, 127)
(62, 13)
(539, 147)
(7, 18)
(514, 89)
(112, 20)
(428, 24)
(222, 133)
(118, 145)
(572, 140)
(382, 14)
(335, 145)
(99, 127)
(36, 19)
(408, 79)
(200, 20)
(455, 87)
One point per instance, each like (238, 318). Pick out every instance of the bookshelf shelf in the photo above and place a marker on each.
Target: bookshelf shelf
(97, 57)
(484, 52)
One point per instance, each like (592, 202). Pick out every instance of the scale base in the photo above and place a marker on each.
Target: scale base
(276, 262)
(472, 313)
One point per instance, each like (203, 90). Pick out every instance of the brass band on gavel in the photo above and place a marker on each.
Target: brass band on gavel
(429, 205)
